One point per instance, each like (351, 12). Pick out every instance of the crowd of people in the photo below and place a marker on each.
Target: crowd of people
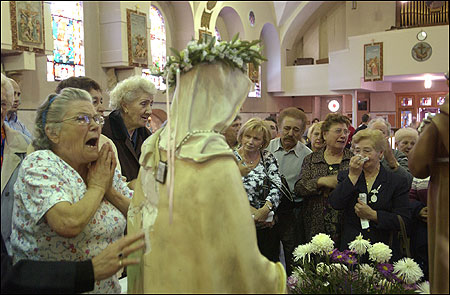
(68, 189)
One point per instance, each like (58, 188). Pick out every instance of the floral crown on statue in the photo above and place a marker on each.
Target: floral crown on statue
(236, 54)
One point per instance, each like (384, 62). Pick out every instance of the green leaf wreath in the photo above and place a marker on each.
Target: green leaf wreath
(236, 54)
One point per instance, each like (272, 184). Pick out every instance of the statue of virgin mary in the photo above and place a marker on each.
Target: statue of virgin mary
(189, 197)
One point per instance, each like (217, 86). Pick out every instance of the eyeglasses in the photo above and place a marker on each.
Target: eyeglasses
(339, 131)
(85, 120)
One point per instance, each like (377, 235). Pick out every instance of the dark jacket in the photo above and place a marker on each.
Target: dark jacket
(392, 199)
(44, 277)
(115, 130)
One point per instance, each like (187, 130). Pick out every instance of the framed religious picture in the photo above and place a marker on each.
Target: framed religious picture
(137, 38)
(204, 36)
(253, 73)
(373, 62)
(27, 26)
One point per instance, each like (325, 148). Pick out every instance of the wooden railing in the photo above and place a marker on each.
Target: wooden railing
(418, 13)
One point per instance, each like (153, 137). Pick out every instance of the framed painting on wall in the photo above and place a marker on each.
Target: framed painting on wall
(204, 36)
(137, 38)
(27, 26)
(373, 62)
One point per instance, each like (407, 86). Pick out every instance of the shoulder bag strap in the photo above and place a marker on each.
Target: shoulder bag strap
(404, 235)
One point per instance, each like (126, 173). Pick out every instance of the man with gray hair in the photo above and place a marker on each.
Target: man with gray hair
(393, 160)
(11, 117)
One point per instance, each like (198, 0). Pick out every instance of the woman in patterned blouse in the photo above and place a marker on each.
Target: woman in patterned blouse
(318, 178)
(257, 165)
(70, 201)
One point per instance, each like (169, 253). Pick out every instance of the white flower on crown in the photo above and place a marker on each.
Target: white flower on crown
(408, 270)
(359, 245)
(379, 253)
(322, 243)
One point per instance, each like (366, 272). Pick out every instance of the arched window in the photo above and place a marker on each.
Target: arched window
(255, 77)
(158, 46)
(218, 38)
(68, 41)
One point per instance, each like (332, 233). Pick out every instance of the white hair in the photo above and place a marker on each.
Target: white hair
(129, 90)
(380, 120)
(9, 90)
(401, 133)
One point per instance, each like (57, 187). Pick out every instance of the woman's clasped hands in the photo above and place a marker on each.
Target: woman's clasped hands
(101, 172)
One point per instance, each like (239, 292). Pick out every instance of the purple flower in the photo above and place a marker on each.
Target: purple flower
(412, 287)
(338, 256)
(385, 269)
(351, 260)
(292, 282)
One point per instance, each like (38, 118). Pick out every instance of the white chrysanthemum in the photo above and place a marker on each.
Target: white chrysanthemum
(322, 243)
(366, 270)
(359, 245)
(379, 252)
(424, 288)
(339, 267)
(322, 269)
(303, 251)
(408, 270)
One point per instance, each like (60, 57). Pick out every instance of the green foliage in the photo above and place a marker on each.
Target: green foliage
(236, 54)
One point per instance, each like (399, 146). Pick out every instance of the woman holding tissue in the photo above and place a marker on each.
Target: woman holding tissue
(371, 196)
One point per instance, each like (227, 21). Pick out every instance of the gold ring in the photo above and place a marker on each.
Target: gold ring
(120, 263)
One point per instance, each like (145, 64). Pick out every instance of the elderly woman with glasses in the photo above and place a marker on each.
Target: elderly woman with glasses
(370, 195)
(70, 201)
(318, 178)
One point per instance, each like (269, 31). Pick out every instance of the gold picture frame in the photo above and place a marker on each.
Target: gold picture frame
(27, 26)
(373, 62)
(137, 38)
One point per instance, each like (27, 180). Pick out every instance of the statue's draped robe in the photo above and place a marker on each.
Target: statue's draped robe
(210, 246)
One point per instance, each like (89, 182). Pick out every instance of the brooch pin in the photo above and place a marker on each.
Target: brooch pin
(374, 197)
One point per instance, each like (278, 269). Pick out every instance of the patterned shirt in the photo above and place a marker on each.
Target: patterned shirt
(44, 180)
(318, 215)
(254, 180)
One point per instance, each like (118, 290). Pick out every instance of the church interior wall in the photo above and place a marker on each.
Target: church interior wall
(334, 30)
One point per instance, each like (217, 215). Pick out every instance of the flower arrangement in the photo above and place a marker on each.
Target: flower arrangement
(321, 268)
(236, 54)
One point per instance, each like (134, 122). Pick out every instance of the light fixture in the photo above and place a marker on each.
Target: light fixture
(333, 106)
(428, 83)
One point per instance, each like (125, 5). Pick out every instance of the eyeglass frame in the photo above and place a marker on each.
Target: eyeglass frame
(87, 122)
(346, 131)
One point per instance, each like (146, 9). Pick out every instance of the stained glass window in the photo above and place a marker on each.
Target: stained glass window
(406, 101)
(255, 77)
(425, 101)
(440, 100)
(218, 38)
(158, 46)
(68, 41)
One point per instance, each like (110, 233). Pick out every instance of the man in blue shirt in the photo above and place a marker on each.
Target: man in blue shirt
(290, 152)
(11, 117)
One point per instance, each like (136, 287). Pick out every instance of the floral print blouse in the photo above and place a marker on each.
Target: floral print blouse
(318, 215)
(254, 180)
(44, 180)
